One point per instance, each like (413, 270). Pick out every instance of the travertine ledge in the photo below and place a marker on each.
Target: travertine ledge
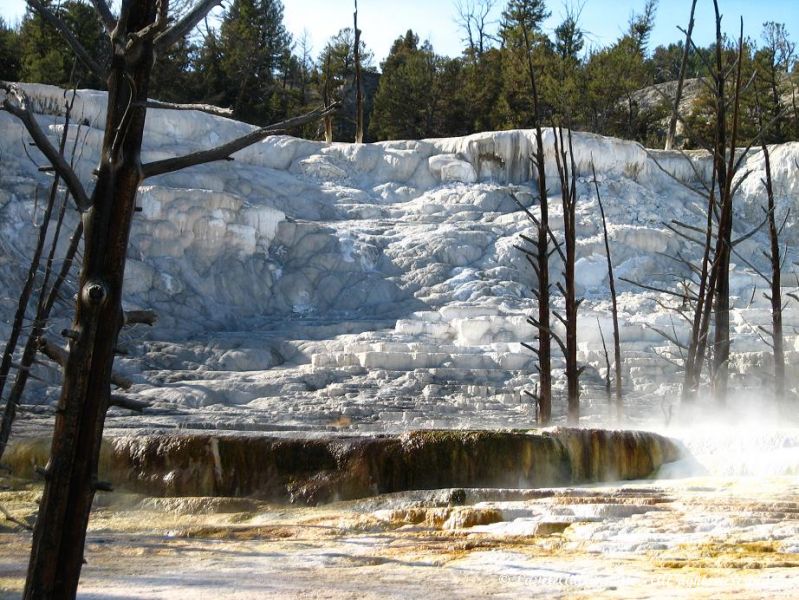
(325, 469)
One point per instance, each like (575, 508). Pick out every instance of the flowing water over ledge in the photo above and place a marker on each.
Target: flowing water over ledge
(322, 469)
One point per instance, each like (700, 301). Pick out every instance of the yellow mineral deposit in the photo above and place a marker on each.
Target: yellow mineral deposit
(715, 524)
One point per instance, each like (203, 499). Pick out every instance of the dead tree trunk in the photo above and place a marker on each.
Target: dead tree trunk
(27, 288)
(45, 300)
(699, 324)
(721, 342)
(327, 101)
(675, 111)
(775, 295)
(614, 304)
(358, 83)
(71, 474)
(712, 300)
(25, 296)
(608, 393)
(43, 310)
(540, 261)
(564, 158)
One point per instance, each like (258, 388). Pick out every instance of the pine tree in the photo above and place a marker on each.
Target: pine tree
(9, 52)
(773, 63)
(253, 42)
(640, 25)
(569, 39)
(483, 91)
(173, 77)
(405, 101)
(46, 57)
(515, 107)
(531, 13)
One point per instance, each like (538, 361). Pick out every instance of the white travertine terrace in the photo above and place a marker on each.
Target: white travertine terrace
(377, 286)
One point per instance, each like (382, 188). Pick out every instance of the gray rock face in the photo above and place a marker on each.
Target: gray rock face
(377, 286)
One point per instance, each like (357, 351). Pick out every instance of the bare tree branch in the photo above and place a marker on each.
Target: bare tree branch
(671, 338)
(143, 317)
(69, 37)
(682, 296)
(123, 401)
(103, 10)
(206, 108)
(58, 355)
(180, 29)
(749, 234)
(20, 110)
(149, 32)
(674, 177)
(13, 519)
(224, 151)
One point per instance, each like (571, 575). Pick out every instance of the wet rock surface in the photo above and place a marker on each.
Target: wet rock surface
(323, 469)
(702, 537)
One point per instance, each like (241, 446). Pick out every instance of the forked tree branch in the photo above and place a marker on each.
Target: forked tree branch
(180, 29)
(151, 31)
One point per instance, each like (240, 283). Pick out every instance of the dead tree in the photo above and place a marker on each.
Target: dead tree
(44, 307)
(358, 82)
(726, 172)
(473, 17)
(539, 258)
(608, 393)
(774, 296)
(27, 292)
(712, 300)
(327, 100)
(141, 31)
(567, 171)
(675, 111)
(614, 303)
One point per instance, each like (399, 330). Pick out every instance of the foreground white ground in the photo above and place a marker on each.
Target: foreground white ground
(727, 533)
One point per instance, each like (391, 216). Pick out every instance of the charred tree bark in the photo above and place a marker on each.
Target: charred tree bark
(45, 300)
(721, 342)
(775, 295)
(544, 350)
(675, 111)
(358, 83)
(143, 28)
(568, 178)
(71, 474)
(327, 102)
(614, 305)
